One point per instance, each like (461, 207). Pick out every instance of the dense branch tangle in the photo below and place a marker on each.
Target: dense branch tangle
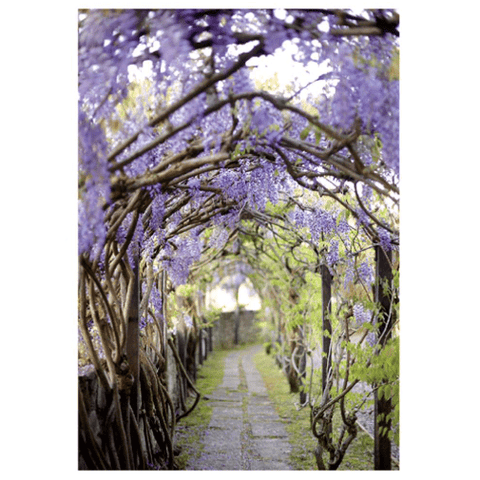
(213, 153)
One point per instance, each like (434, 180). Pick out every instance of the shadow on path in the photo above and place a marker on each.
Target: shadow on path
(245, 432)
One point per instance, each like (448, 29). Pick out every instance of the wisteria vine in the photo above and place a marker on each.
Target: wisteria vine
(177, 140)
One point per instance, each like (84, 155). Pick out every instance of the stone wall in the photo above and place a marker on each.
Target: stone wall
(224, 330)
(95, 408)
(95, 419)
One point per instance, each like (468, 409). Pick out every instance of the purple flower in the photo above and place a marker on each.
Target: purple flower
(362, 217)
(218, 238)
(188, 321)
(242, 82)
(158, 211)
(321, 221)
(343, 228)
(349, 274)
(174, 45)
(177, 264)
(333, 255)
(384, 238)
(155, 301)
(371, 339)
(274, 40)
(361, 315)
(298, 217)
(367, 194)
(365, 273)
(111, 41)
(261, 120)
(136, 243)
(194, 184)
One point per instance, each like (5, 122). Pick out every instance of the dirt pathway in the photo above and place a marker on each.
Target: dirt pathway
(245, 432)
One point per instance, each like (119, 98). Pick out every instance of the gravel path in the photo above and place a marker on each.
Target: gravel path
(245, 432)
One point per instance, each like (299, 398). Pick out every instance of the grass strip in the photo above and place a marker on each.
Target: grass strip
(190, 429)
(297, 423)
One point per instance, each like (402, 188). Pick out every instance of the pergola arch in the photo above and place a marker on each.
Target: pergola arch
(203, 158)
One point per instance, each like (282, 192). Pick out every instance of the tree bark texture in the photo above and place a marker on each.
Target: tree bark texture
(326, 324)
(133, 337)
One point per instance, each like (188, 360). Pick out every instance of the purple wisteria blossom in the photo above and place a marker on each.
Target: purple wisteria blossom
(95, 193)
(365, 273)
(371, 339)
(174, 44)
(178, 262)
(155, 302)
(365, 91)
(349, 274)
(333, 255)
(242, 82)
(158, 211)
(361, 314)
(135, 245)
(298, 217)
(218, 238)
(343, 228)
(321, 222)
(385, 240)
(182, 149)
(261, 120)
(188, 321)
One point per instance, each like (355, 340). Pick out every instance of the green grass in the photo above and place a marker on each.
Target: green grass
(189, 429)
(359, 455)
(297, 422)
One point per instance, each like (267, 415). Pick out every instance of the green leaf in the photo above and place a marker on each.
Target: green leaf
(304, 133)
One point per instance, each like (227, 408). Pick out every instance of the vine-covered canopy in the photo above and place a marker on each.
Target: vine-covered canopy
(189, 158)
(197, 143)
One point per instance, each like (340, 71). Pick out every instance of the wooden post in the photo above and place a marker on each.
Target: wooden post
(326, 357)
(200, 346)
(302, 366)
(210, 339)
(163, 281)
(326, 324)
(236, 334)
(133, 336)
(383, 406)
(201, 332)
